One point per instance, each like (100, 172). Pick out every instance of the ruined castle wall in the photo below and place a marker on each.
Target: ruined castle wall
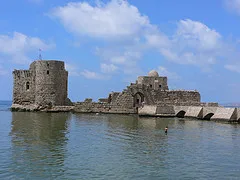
(51, 83)
(97, 107)
(23, 87)
(113, 96)
(185, 98)
(153, 82)
(122, 104)
(125, 100)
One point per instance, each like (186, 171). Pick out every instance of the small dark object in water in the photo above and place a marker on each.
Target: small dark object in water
(166, 129)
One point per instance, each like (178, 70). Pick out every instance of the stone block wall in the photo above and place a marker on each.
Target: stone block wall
(97, 107)
(153, 82)
(186, 98)
(225, 114)
(103, 100)
(148, 110)
(113, 96)
(122, 104)
(124, 99)
(51, 83)
(45, 83)
(165, 110)
(23, 87)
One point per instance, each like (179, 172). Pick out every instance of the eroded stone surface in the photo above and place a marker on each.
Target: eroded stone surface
(229, 114)
(44, 85)
(148, 90)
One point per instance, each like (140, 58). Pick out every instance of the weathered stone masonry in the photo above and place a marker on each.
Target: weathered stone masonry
(148, 90)
(44, 87)
(44, 84)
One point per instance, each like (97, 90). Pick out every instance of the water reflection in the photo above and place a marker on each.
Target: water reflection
(90, 146)
(38, 143)
(143, 141)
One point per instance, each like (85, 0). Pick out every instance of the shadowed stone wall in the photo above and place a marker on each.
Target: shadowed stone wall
(24, 90)
(45, 83)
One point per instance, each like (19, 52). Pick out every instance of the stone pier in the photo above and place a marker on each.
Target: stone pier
(198, 112)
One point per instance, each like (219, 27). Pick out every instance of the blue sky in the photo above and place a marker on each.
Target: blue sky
(107, 44)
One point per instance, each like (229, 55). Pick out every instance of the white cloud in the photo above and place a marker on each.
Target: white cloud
(115, 20)
(197, 35)
(158, 40)
(108, 68)
(17, 47)
(163, 71)
(233, 5)
(72, 70)
(192, 42)
(233, 67)
(93, 75)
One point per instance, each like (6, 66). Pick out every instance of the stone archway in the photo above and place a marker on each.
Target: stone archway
(208, 116)
(138, 99)
(181, 114)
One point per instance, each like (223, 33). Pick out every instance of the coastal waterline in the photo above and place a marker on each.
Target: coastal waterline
(87, 146)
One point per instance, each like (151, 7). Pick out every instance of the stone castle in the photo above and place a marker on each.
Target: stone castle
(45, 84)
(148, 90)
(44, 87)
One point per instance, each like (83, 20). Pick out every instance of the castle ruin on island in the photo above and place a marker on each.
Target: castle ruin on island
(44, 87)
(148, 90)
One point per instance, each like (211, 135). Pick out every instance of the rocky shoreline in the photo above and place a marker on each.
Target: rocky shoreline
(35, 108)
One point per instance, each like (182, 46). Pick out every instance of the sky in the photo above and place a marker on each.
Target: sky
(107, 44)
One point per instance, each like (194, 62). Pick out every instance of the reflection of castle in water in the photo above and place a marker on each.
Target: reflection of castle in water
(134, 122)
(143, 136)
(38, 141)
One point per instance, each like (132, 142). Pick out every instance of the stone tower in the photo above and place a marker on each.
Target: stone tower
(154, 81)
(45, 84)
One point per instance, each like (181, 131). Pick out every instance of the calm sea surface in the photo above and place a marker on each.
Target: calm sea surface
(87, 146)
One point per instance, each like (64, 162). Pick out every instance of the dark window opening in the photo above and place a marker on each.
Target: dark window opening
(138, 99)
(47, 64)
(150, 86)
(27, 86)
(160, 85)
(47, 72)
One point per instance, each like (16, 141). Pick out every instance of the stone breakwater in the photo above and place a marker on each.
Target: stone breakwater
(199, 112)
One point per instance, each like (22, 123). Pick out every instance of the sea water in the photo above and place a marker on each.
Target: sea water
(89, 146)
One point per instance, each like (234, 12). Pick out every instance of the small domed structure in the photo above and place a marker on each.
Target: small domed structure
(153, 73)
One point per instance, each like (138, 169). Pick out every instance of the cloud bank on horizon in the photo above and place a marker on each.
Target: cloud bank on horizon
(114, 40)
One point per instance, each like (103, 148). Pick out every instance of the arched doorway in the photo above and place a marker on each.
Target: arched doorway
(208, 116)
(138, 99)
(181, 114)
